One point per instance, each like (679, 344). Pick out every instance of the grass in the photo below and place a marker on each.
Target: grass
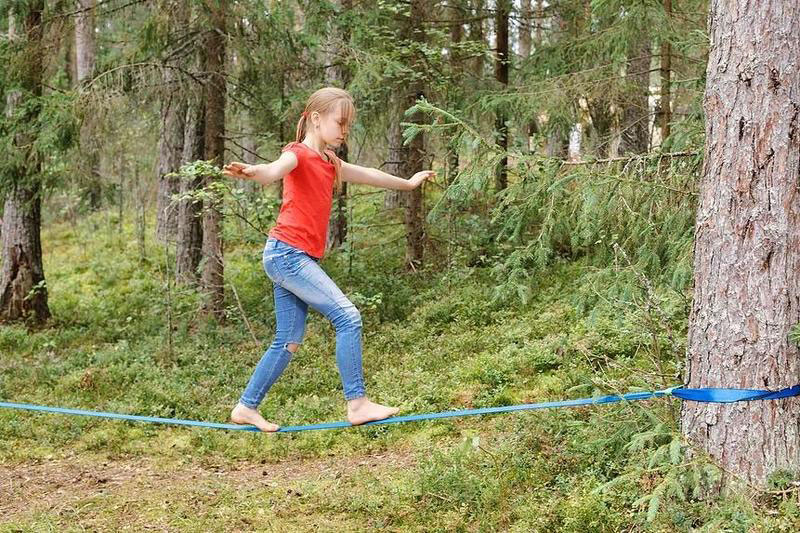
(433, 341)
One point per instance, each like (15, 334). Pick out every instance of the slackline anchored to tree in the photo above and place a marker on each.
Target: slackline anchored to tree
(695, 395)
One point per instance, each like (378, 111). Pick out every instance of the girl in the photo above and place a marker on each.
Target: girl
(296, 244)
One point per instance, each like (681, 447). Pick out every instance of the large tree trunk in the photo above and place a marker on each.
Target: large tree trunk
(22, 288)
(747, 244)
(85, 54)
(406, 160)
(23, 291)
(213, 267)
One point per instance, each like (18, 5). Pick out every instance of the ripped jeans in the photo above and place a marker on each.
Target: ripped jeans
(299, 282)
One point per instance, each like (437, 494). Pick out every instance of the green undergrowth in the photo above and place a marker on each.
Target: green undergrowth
(434, 340)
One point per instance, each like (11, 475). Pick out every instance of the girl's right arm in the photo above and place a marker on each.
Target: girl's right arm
(263, 173)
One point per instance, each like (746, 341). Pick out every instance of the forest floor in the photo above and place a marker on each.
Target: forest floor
(433, 341)
(82, 489)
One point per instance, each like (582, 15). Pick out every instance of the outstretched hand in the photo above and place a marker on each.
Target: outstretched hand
(238, 170)
(417, 179)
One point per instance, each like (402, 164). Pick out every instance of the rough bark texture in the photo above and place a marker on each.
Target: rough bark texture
(747, 246)
(171, 132)
(22, 257)
(416, 150)
(189, 243)
(213, 266)
(22, 290)
(170, 155)
(398, 155)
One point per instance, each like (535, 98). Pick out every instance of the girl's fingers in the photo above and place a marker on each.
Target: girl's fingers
(233, 173)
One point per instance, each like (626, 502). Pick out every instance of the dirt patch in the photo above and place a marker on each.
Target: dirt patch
(56, 485)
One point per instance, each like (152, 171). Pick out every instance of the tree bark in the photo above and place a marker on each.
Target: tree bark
(525, 28)
(747, 243)
(416, 150)
(85, 59)
(171, 132)
(503, 9)
(23, 291)
(398, 155)
(189, 243)
(170, 155)
(634, 135)
(476, 34)
(664, 104)
(405, 160)
(454, 89)
(339, 76)
(213, 266)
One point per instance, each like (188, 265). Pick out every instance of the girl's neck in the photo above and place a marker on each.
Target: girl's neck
(315, 143)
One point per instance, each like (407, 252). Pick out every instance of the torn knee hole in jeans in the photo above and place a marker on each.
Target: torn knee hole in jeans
(291, 346)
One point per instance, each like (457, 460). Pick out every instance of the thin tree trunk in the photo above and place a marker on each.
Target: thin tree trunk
(747, 242)
(171, 133)
(23, 291)
(86, 51)
(398, 155)
(188, 248)
(665, 107)
(476, 34)
(338, 76)
(170, 154)
(503, 9)
(634, 135)
(525, 29)
(454, 90)
(213, 267)
(416, 150)
(525, 44)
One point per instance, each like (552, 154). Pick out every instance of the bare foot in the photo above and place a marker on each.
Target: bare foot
(362, 410)
(244, 415)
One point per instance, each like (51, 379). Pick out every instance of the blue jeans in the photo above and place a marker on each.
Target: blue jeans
(298, 282)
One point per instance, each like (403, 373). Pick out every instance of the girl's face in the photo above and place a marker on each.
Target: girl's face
(332, 127)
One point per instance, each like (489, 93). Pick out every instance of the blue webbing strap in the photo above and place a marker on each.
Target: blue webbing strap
(696, 395)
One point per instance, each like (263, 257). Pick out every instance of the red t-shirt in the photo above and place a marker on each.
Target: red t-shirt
(307, 198)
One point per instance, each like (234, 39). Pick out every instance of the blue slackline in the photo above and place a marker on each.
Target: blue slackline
(695, 395)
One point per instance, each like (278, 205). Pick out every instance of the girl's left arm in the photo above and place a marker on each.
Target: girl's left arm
(377, 178)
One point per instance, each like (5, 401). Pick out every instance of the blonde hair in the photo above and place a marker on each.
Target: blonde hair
(325, 101)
